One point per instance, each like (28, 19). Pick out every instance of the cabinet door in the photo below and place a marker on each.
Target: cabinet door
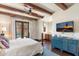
(65, 44)
(58, 43)
(54, 42)
(72, 46)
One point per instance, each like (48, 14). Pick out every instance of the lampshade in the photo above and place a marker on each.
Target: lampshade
(3, 28)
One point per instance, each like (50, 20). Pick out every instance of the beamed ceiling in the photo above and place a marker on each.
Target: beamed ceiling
(64, 6)
(36, 10)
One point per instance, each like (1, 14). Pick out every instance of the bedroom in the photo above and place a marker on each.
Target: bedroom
(37, 21)
(16, 23)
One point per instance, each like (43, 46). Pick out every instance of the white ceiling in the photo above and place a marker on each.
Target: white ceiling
(48, 6)
(22, 7)
(69, 4)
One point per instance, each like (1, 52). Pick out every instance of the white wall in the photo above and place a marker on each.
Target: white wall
(40, 26)
(48, 26)
(9, 23)
(35, 27)
(5, 21)
(71, 14)
(32, 27)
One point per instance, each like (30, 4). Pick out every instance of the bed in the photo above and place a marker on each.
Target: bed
(22, 47)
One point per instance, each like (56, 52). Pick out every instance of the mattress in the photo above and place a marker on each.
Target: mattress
(23, 47)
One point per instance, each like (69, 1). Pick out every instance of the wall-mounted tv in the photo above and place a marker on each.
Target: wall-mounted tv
(65, 26)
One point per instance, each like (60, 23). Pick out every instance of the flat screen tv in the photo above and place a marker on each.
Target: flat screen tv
(65, 26)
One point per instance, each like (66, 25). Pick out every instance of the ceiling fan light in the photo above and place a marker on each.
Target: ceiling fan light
(28, 10)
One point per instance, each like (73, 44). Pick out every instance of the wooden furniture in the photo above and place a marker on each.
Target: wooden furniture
(21, 29)
(47, 37)
(42, 39)
(66, 44)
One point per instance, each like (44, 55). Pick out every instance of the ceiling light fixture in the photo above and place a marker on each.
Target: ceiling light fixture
(28, 9)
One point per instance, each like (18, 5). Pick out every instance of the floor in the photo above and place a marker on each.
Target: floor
(61, 53)
(46, 50)
(47, 44)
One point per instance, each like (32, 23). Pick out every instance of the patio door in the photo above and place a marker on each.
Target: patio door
(21, 29)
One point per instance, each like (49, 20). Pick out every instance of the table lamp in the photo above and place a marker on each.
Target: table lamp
(3, 30)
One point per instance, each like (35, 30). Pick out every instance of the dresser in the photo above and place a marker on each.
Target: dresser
(66, 44)
(47, 37)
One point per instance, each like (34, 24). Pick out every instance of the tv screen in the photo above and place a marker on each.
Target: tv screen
(65, 27)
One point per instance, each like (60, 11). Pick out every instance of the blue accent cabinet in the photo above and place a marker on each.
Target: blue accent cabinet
(66, 44)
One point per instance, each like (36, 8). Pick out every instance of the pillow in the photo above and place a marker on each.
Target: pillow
(4, 43)
(5, 39)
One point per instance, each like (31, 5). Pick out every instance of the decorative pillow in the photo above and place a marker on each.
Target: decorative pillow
(4, 43)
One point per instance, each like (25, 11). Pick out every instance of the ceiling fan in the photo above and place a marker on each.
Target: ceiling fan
(28, 9)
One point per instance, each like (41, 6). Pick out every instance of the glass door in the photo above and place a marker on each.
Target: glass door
(25, 29)
(18, 29)
(22, 29)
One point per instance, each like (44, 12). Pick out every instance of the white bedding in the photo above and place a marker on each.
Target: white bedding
(23, 47)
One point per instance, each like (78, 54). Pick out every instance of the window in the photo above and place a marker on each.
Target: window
(22, 29)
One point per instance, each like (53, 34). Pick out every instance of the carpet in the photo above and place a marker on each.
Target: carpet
(47, 52)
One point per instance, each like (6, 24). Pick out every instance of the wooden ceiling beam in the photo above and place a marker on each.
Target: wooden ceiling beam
(37, 8)
(16, 15)
(18, 10)
(62, 6)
